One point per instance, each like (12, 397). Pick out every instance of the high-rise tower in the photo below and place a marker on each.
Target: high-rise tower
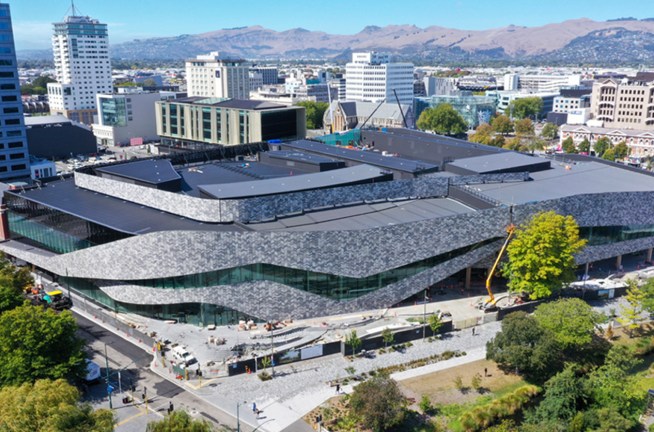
(14, 157)
(81, 56)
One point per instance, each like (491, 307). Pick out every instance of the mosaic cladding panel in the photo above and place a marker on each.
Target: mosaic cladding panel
(354, 253)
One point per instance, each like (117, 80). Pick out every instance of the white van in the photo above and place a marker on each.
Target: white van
(180, 353)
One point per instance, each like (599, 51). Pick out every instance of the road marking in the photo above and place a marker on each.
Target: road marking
(129, 419)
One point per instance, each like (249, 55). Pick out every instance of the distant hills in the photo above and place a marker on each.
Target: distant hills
(580, 41)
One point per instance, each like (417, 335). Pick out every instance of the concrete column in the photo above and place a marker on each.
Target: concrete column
(587, 267)
(468, 277)
(649, 255)
(4, 223)
(618, 262)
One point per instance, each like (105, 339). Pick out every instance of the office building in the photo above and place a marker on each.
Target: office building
(572, 99)
(58, 137)
(504, 99)
(217, 76)
(473, 109)
(511, 82)
(80, 46)
(371, 77)
(14, 157)
(627, 103)
(124, 117)
(203, 123)
(310, 229)
(538, 83)
(269, 74)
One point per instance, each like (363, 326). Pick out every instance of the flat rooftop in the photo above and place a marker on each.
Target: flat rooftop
(245, 104)
(498, 163)
(567, 179)
(153, 171)
(366, 216)
(361, 156)
(295, 183)
(112, 212)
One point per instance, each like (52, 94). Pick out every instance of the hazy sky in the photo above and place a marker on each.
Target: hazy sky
(132, 19)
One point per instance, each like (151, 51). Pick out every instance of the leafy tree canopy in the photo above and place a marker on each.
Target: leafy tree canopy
(565, 395)
(38, 343)
(525, 107)
(50, 406)
(524, 127)
(601, 146)
(572, 321)
(502, 124)
(621, 150)
(442, 119)
(549, 131)
(523, 346)
(39, 86)
(179, 421)
(541, 255)
(314, 112)
(584, 146)
(568, 146)
(378, 403)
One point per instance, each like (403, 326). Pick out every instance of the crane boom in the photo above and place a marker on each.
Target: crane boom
(491, 298)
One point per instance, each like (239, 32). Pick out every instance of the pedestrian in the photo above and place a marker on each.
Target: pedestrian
(338, 388)
(170, 407)
(473, 331)
(254, 407)
(485, 372)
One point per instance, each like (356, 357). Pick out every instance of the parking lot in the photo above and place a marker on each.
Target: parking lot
(105, 155)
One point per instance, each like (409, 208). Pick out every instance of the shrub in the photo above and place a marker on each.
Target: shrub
(458, 383)
(425, 405)
(264, 376)
(448, 355)
(476, 382)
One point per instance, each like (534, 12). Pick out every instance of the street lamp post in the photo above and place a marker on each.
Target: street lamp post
(238, 418)
(106, 362)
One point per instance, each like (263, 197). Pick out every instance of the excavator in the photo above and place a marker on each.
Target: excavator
(490, 304)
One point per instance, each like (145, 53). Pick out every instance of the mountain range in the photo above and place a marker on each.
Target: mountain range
(580, 41)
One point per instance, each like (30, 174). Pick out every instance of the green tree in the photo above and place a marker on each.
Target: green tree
(612, 386)
(568, 145)
(550, 131)
(39, 86)
(353, 340)
(631, 311)
(648, 296)
(378, 403)
(502, 124)
(536, 144)
(179, 421)
(442, 119)
(621, 150)
(572, 321)
(523, 346)
(584, 146)
(483, 134)
(37, 343)
(609, 155)
(387, 336)
(435, 323)
(149, 83)
(314, 112)
(601, 146)
(565, 395)
(607, 420)
(524, 127)
(525, 107)
(541, 255)
(50, 406)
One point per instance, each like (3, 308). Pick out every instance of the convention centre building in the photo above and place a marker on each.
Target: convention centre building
(301, 229)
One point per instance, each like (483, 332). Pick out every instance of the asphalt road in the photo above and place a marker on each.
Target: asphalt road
(134, 365)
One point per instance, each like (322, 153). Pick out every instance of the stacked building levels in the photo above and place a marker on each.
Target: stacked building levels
(372, 77)
(14, 157)
(625, 103)
(81, 57)
(218, 76)
(307, 229)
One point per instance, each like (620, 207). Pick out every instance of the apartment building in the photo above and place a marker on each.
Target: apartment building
(372, 77)
(217, 76)
(80, 46)
(625, 103)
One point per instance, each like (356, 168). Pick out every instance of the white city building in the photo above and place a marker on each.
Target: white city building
(371, 77)
(216, 76)
(80, 46)
(126, 118)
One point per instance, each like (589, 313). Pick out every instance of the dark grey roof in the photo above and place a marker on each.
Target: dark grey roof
(499, 162)
(361, 156)
(245, 104)
(153, 171)
(365, 216)
(300, 157)
(349, 108)
(567, 179)
(112, 212)
(337, 177)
